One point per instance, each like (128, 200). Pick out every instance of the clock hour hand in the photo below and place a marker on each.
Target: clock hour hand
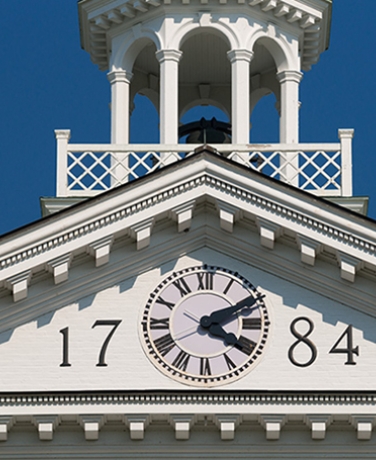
(220, 315)
(218, 331)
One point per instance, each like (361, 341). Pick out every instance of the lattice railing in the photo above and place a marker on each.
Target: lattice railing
(86, 170)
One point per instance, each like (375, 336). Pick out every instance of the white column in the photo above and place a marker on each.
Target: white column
(289, 117)
(169, 82)
(289, 123)
(120, 82)
(240, 101)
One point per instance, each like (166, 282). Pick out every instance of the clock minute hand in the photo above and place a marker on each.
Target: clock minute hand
(220, 315)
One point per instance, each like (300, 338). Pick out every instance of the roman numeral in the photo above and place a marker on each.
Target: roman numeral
(164, 344)
(205, 366)
(251, 323)
(169, 305)
(205, 280)
(245, 345)
(227, 288)
(162, 323)
(182, 285)
(230, 363)
(181, 361)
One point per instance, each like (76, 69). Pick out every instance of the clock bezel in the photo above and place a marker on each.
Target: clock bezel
(192, 379)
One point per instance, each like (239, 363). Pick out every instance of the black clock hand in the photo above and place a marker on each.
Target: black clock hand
(218, 331)
(220, 315)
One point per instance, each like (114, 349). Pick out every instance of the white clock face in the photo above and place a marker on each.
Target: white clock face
(205, 326)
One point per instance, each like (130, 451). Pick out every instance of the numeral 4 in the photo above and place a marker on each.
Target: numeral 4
(350, 351)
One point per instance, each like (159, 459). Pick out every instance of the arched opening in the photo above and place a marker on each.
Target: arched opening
(204, 88)
(144, 121)
(205, 124)
(264, 96)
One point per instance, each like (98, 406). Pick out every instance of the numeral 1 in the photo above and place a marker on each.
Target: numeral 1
(65, 333)
(181, 361)
(164, 344)
(205, 280)
(251, 323)
(350, 350)
(182, 285)
(205, 366)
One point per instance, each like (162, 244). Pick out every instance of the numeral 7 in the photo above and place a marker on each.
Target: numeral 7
(115, 323)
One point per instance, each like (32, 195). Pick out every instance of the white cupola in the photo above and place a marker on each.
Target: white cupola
(185, 53)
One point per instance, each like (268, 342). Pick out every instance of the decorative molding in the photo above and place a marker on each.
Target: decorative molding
(59, 267)
(182, 425)
(183, 215)
(141, 232)
(228, 215)
(101, 250)
(309, 249)
(347, 239)
(18, 284)
(137, 425)
(349, 266)
(269, 232)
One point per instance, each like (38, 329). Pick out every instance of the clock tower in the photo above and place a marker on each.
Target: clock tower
(203, 297)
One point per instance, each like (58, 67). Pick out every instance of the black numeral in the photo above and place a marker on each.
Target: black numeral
(102, 353)
(169, 305)
(230, 363)
(162, 323)
(245, 345)
(251, 323)
(182, 285)
(205, 280)
(164, 344)
(181, 361)
(205, 366)
(227, 288)
(350, 350)
(65, 333)
(302, 339)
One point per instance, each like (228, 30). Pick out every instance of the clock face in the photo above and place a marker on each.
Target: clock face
(205, 326)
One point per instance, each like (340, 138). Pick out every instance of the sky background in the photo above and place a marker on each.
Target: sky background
(48, 82)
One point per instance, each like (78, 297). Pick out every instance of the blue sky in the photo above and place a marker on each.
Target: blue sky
(48, 82)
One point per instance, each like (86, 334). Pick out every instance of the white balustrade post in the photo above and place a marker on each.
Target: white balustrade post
(120, 82)
(289, 122)
(62, 138)
(346, 136)
(240, 102)
(169, 89)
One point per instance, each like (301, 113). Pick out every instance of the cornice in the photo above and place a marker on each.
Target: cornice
(97, 19)
(88, 233)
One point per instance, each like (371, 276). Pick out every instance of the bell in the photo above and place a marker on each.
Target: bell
(206, 132)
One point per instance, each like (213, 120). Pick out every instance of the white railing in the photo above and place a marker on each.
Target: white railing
(89, 169)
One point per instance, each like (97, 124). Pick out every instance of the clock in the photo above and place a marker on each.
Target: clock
(205, 326)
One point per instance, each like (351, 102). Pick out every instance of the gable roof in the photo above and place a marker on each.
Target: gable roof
(281, 214)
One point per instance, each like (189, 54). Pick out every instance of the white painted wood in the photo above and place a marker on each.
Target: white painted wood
(120, 108)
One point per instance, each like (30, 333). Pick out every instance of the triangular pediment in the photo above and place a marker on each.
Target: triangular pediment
(204, 200)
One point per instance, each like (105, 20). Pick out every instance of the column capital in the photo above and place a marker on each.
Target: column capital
(346, 133)
(289, 75)
(168, 55)
(119, 76)
(240, 55)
